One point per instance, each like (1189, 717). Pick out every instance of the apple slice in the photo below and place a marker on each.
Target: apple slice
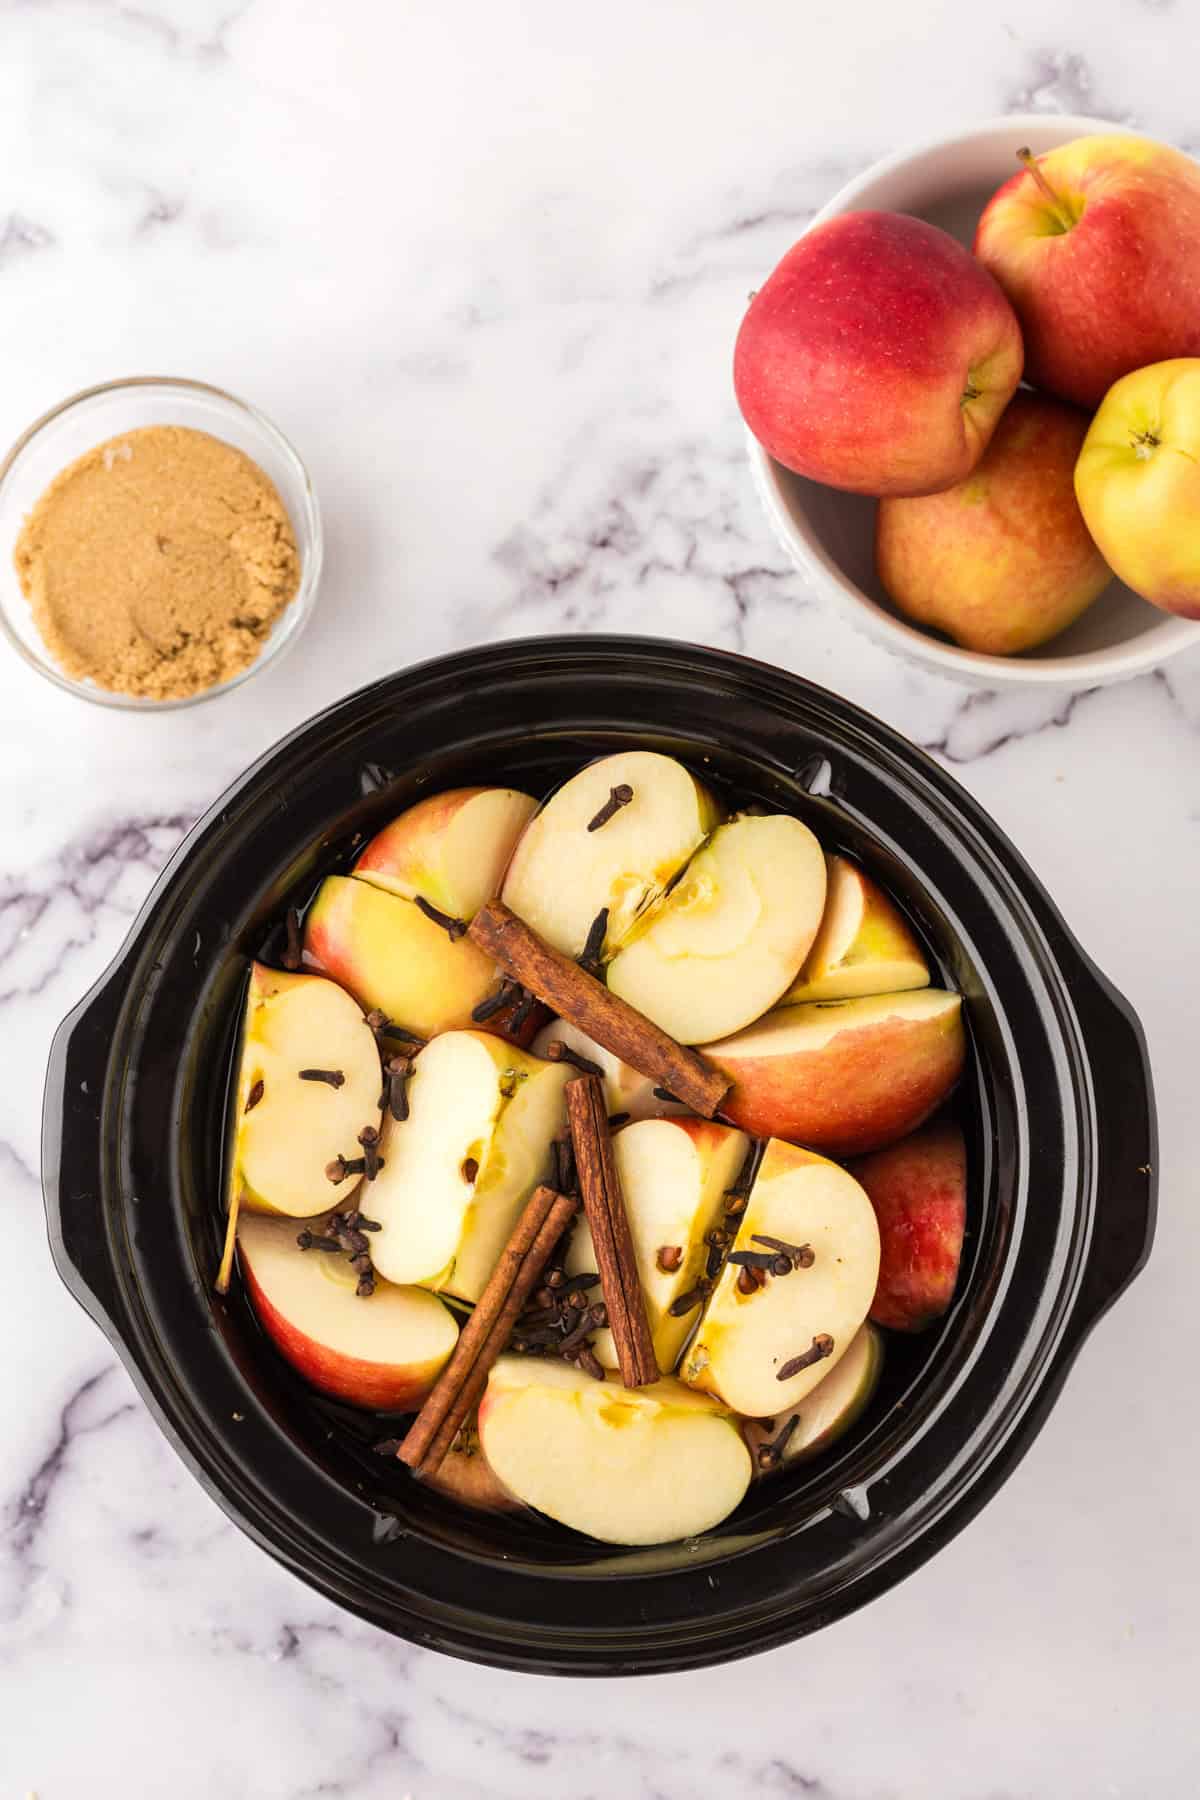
(562, 874)
(919, 1191)
(745, 1340)
(390, 955)
(466, 1475)
(731, 935)
(287, 1129)
(864, 945)
(458, 1170)
(450, 848)
(628, 1466)
(844, 1076)
(829, 1410)
(626, 1091)
(384, 1352)
(674, 1176)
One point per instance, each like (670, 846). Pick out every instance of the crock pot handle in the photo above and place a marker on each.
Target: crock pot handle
(72, 1153)
(1127, 1149)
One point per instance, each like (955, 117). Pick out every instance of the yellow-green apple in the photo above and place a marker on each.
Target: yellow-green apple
(732, 933)
(383, 1352)
(451, 849)
(674, 1175)
(863, 946)
(1138, 483)
(1097, 245)
(571, 863)
(877, 357)
(919, 1191)
(288, 1125)
(764, 1348)
(1003, 560)
(625, 1465)
(390, 955)
(838, 1400)
(627, 1092)
(466, 1475)
(844, 1076)
(456, 1173)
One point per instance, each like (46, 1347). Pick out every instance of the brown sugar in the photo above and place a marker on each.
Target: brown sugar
(156, 564)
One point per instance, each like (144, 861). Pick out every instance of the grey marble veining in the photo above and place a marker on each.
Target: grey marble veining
(485, 265)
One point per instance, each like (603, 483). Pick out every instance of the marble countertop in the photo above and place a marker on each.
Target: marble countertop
(484, 264)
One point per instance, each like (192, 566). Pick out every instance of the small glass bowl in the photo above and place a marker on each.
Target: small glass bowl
(98, 413)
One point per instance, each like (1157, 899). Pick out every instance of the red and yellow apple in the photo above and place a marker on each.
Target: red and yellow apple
(1003, 560)
(1138, 483)
(625, 1465)
(918, 1189)
(877, 357)
(864, 944)
(745, 1341)
(383, 1352)
(844, 1076)
(731, 934)
(389, 955)
(1097, 245)
(451, 849)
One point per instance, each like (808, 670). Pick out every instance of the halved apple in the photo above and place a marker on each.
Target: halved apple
(844, 1076)
(628, 1466)
(287, 1129)
(384, 1352)
(451, 848)
(482, 1116)
(745, 1341)
(562, 874)
(826, 1413)
(919, 1191)
(466, 1475)
(390, 955)
(864, 945)
(625, 1090)
(731, 935)
(674, 1176)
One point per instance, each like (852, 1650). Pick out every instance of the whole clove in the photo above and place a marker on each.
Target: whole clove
(454, 928)
(394, 1098)
(618, 797)
(800, 1256)
(333, 1078)
(686, 1303)
(587, 1360)
(770, 1454)
(368, 1137)
(822, 1346)
(593, 944)
(558, 1052)
(662, 1093)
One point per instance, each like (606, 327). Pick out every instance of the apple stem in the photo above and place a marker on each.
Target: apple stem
(1057, 205)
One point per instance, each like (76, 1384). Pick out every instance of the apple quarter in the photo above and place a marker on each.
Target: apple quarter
(450, 848)
(830, 1408)
(863, 946)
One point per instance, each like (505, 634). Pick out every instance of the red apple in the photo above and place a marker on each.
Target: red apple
(877, 357)
(384, 1351)
(919, 1191)
(1097, 245)
(1003, 560)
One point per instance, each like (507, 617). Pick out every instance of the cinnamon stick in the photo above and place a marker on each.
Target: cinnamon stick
(483, 1337)
(586, 1002)
(612, 1240)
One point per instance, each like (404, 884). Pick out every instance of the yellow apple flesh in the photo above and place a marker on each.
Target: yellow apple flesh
(1138, 483)
(626, 1465)
(674, 1176)
(285, 1139)
(863, 946)
(384, 1351)
(731, 935)
(451, 849)
(744, 1341)
(389, 955)
(562, 874)
(1003, 561)
(458, 1170)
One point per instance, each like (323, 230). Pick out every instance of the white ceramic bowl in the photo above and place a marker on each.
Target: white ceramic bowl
(830, 535)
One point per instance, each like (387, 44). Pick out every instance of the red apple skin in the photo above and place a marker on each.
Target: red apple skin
(467, 1476)
(1003, 560)
(1118, 290)
(374, 1385)
(854, 357)
(919, 1191)
(864, 1090)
